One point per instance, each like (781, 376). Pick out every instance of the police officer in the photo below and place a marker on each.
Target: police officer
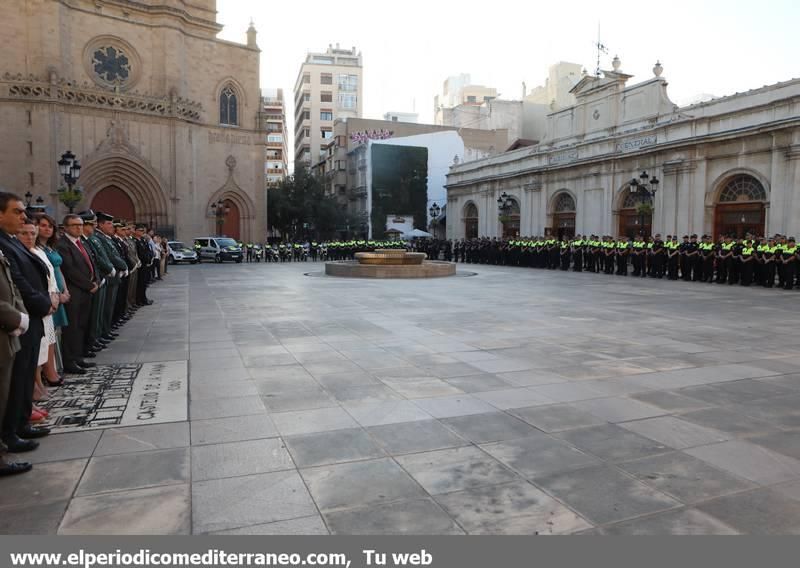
(789, 261)
(609, 254)
(671, 247)
(734, 272)
(694, 260)
(724, 254)
(577, 253)
(637, 251)
(706, 254)
(747, 261)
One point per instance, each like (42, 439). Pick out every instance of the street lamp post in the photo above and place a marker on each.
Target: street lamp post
(434, 212)
(646, 187)
(39, 207)
(219, 210)
(70, 169)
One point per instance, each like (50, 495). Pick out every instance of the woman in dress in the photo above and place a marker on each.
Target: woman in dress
(46, 242)
(28, 240)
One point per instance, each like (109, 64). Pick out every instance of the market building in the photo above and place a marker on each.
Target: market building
(726, 166)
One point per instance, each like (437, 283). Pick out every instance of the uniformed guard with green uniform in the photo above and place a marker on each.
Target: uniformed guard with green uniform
(106, 225)
(103, 270)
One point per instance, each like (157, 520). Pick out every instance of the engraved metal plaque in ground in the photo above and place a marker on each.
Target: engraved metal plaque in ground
(111, 396)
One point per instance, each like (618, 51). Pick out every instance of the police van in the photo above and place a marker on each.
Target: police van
(218, 249)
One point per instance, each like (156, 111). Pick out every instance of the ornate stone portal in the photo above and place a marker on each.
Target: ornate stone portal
(390, 263)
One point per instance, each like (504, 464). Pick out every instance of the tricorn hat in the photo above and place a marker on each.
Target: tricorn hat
(88, 216)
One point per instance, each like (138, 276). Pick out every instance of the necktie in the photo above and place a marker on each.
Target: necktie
(85, 257)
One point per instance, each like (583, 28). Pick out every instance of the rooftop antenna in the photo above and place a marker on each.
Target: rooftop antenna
(601, 48)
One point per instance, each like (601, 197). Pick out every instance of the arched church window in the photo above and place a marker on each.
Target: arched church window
(564, 204)
(228, 107)
(743, 188)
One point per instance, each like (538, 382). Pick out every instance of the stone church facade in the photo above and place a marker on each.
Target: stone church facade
(727, 166)
(163, 116)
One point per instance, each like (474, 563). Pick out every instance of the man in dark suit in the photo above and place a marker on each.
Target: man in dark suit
(29, 275)
(82, 283)
(13, 323)
(104, 271)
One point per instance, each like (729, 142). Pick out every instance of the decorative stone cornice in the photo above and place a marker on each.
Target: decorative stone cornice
(32, 88)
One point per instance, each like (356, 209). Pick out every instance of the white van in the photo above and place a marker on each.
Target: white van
(218, 249)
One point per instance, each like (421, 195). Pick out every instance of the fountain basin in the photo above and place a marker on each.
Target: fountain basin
(391, 257)
(427, 269)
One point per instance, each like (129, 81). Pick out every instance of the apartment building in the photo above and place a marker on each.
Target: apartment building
(273, 108)
(329, 86)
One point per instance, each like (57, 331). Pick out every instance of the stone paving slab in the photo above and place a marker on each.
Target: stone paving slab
(335, 406)
(159, 511)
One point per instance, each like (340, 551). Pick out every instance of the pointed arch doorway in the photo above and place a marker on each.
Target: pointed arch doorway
(114, 201)
(123, 185)
(232, 226)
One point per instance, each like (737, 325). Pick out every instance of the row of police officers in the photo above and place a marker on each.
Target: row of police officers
(747, 261)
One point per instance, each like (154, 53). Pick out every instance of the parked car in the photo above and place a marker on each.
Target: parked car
(179, 252)
(218, 249)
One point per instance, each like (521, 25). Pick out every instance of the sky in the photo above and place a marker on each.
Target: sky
(409, 48)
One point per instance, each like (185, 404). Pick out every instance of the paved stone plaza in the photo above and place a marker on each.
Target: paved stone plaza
(514, 401)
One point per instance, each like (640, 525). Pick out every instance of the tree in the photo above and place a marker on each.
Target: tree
(300, 209)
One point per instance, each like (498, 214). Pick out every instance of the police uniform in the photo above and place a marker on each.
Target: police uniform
(706, 255)
(789, 261)
(747, 260)
(724, 252)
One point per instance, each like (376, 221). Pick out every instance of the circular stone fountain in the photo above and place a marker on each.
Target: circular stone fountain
(390, 263)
